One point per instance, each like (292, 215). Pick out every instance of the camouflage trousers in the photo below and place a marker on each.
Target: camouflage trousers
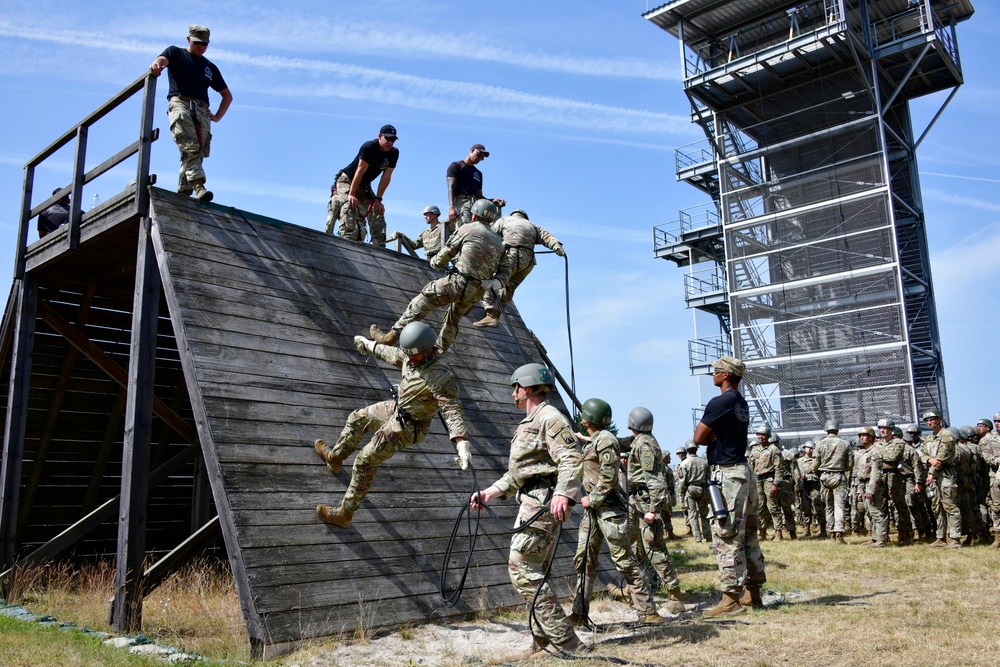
(994, 505)
(530, 551)
(835, 493)
(813, 503)
(763, 493)
(192, 132)
(780, 506)
(454, 290)
(392, 435)
(945, 507)
(649, 544)
(896, 489)
(666, 514)
(354, 218)
(333, 208)
(972, 517)
(917, 504)
(609, 524)
(878, 512)
(522, 261)
(734, 540)
(463, 209)
(697, 511)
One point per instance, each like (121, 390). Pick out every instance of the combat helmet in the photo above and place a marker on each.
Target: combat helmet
(520, 212)
(831, 425)
(867, 430)
(897, 432)
(932, 412)
(532, 375)
(996, 416)
(966, 432)
(416, 337)
(985, 422)
(885, 422)
(485, 210)
(596, 411)
(433, 209)
(641, 420)
(764, 429)
(954, 432)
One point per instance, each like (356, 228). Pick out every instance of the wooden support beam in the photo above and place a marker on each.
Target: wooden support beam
(113, 370)
(110, 435)
(74, 533)
(200, 540)
(126, 613)
(55, 408)
(17, 414)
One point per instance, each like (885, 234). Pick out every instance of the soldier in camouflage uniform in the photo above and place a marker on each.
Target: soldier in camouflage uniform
(939, 457)
(813, 507)
(786, 488)
(647, 492)
(544, 467)
(606, 519)
(430, 239)
(479, 257)
(892, 449)
(871, 486)
(426, 387)
(914, 473)
(692, 484)
(723, 429)
(833, 457)
(667, 511)
(763, 465)
(972, 486)
(333, 208)
(989, 443)
(520, 236)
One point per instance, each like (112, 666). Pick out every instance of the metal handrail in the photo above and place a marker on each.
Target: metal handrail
(79, 132)
(692, 217)
(705, 281)
(693, 154)
(705, 350)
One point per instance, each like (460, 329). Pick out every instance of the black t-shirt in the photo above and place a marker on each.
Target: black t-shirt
(53, 218)
(468, 179)
(377, 162)
(190, 75)
(729, 416)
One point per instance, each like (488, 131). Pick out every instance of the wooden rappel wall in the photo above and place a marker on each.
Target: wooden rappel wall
(254, 360)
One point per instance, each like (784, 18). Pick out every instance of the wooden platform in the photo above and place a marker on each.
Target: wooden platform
(250, 354)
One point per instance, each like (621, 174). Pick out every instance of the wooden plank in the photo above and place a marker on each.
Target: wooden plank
(126, 608)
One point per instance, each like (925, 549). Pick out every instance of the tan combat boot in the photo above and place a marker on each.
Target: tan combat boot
(651, 619)
(385, 338)
(777, 537)
(728, 606)
(751, 598)
(201, 194)
(954, 543)
(536, 650)
(334, 463)
(491, 320)
(938, 543)
(620, 593)
(675, 601)
(840, 538)
(338, 517)
(573, 646)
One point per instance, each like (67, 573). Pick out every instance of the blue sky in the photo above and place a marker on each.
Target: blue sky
(580, 105)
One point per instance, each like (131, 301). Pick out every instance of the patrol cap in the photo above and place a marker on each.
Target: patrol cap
(985, 422)
(199, 33)
(885, 422)
(866, 430)
(389, 132)
(482, 151)
(730, 365)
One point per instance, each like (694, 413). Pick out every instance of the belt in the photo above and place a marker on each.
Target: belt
(182, 98)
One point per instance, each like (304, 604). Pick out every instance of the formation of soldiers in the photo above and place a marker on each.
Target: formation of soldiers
(934, 483)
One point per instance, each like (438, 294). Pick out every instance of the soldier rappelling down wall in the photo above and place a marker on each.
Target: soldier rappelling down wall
(479, 257)
(426, 386)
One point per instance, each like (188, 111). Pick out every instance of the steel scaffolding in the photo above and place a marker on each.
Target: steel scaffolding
(814, 240)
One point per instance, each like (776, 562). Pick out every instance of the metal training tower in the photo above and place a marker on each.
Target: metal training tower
(813, 252)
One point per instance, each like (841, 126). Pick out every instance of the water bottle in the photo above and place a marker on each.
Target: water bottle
(95, 202)
(718, 503)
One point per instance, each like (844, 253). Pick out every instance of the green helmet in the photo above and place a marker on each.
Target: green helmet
(967, 432)
(596, 411)
(641, 420)
(985, 422)
(433, 209)
(897, 432)
(933, 412)
(954, 432)
(520, 212)
(532, 375)
(764, 429)
(485, 210)
(885, 422)
(416, 337)
(867, 430)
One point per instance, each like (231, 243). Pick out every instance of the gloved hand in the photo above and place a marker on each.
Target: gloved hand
(560, 250)
(464, 458)
(364, 345)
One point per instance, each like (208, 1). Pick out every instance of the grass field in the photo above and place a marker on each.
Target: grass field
(830, 605)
